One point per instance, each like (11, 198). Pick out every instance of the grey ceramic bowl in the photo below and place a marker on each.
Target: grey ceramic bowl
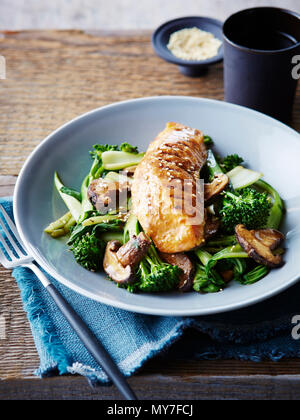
(266, 144)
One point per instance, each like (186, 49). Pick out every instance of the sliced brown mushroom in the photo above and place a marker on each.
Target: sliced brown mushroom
(259, 245)
(134, 250)
(182, 261)
(114, 246)
(107, 195)
(113, 267)
(219, 183)
(270, 237)
(212, 225)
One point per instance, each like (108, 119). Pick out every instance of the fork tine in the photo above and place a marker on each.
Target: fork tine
(12, 228)
(3, 260)
(6, 247)
(12, 241)
(11, 224)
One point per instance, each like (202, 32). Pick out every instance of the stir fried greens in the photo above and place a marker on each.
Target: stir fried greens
(256, 205)
(62, 226)
(88, 251)
(230, 162)
(153, 275)
(246, 200)
(128, 148)
(88, 244)
(156, 276)
(248, 207)
(87, 240)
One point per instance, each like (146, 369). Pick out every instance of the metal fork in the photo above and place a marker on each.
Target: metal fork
(22, 258)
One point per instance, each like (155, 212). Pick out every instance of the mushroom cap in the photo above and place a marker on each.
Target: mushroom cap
(113, 267)
(213, 189)
(108, 195)
(259, 245)
(134, 250)
(212, 226)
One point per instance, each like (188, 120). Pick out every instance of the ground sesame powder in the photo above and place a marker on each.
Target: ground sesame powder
(193, 44)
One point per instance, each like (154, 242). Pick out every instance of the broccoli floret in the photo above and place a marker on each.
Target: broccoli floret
(155, 275)
(88, 242)
(88, 251)
(100, 148)
(250, 208)
(128, 148)
(231, 161)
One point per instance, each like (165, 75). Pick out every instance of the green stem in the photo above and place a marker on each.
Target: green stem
(86, 205)
(222, 241)
(203, 256)
(213, 166)
(233, 196)
(232, 252)
(131, 228)
(277, 210)
(112, 236)
(61, 227)
(255, 275)
(235, 251)
(100, 219)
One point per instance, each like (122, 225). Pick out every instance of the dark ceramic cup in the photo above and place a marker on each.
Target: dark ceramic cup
(260, 46)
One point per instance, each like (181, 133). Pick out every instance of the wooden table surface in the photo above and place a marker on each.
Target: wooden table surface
(52, 77)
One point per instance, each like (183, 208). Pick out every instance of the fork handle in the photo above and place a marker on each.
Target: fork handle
(92, 344)
(89, 340)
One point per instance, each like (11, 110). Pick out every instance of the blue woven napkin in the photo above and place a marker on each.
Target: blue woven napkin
(262, 331)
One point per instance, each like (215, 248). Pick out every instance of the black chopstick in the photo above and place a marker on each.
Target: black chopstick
(92, 344)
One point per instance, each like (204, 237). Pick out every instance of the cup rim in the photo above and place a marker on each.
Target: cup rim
(254, 50)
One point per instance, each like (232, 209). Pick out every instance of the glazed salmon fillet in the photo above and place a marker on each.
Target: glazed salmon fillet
(166, 197)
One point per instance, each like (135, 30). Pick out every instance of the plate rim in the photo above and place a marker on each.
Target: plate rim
(120, 304)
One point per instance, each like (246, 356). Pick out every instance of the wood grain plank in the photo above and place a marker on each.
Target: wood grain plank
(156, 387)
(53, 77)
(7, 184)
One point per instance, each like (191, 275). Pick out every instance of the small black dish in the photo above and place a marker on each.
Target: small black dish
(162, 35)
